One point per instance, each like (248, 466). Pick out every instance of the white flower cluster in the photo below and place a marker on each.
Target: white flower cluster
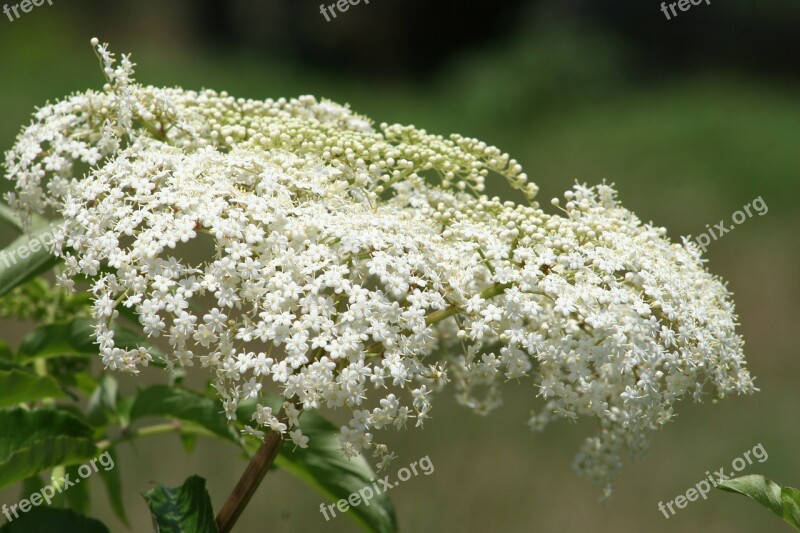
(346, 266)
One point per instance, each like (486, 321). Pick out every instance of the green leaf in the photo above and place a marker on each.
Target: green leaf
(790, 497)
(10, 218)
(185, 405)
(11, 365)
(322, 466)
(124, 406)
(49, 519)
(77, 496)
(183, 509)
(102, 404)
(783, 501)
(74, 338)
(113, 485)
(24, 259)
(5, 352)
(17, 387)
(31, 485)
(32, 441)
(85, 382)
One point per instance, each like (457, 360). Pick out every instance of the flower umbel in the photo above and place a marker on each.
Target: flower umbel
(344, 265)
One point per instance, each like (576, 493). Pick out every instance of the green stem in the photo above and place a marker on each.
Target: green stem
(486, 294)
(376, 350)
(148, 431)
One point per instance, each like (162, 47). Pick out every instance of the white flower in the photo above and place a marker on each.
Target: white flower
(339, 271)
(360, 420)
(298, 438)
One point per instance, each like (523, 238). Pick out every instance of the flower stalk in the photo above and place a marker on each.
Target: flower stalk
(249, 481)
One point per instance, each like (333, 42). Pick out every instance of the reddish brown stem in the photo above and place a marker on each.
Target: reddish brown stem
(249, 482)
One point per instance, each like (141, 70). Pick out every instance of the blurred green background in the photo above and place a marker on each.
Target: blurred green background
(691, 118)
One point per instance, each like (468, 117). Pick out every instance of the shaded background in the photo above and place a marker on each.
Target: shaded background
(692, 118)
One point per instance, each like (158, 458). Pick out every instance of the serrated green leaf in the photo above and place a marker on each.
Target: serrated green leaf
(24, 259)
(45, 454)
(46, 519)
(32, 441)
(182, 509)
(185, 405)
(111, 480)
(17, 387)
(783, 501)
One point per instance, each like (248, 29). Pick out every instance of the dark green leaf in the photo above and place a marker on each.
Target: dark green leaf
(183, 509)
(10, 365)
(31, 485)
(46, 519)
(77, 496)
(24, 259)
(185, 405)
(17, 387)
(74, 338)
(113, 484)
(32, 441)
(85, 382)
(783, 501)
(5, 352)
